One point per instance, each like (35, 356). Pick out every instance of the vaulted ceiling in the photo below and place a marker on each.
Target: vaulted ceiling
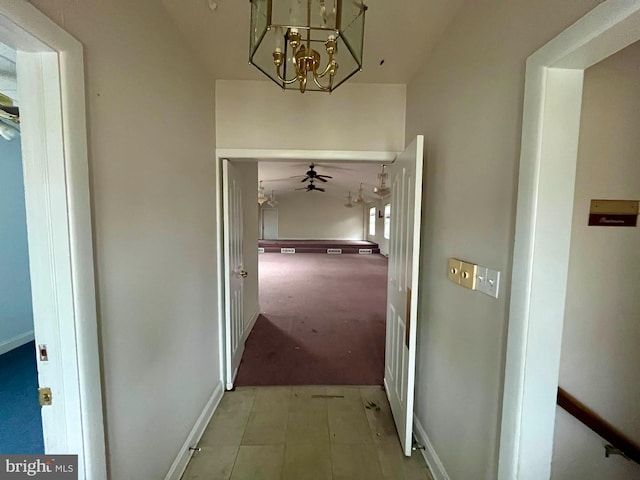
(402, 33)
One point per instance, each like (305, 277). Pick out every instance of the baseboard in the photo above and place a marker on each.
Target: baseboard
(429, 453)
(252, 323)
(179, 465)
(15, 342)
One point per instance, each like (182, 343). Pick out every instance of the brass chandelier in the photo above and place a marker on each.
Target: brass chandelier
(288, 36)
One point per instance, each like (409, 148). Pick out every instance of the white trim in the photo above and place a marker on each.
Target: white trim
(15, 342)
(181, 461)
(220, 274)
(240, 154)
(543, 231)
(436, 467)
(249, 327)
(60, 157)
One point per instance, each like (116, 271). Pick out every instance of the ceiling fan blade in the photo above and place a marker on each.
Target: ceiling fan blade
(302, 188)
(304, 179)
(320, 189)
(324, 176)
(318, 177)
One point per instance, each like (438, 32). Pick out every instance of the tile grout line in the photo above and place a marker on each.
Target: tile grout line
(373, 440)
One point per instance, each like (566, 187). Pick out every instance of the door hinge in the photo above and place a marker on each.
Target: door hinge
(45, 396)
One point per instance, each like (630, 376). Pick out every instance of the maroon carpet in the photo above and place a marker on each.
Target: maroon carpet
(323, 321)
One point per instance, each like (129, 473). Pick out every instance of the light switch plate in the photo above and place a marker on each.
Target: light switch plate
(481, 279)
(493, 280)
(468, 275)
(453, 271)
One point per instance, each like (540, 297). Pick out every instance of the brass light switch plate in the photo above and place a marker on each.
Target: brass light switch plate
(455, 266)
(468, 273)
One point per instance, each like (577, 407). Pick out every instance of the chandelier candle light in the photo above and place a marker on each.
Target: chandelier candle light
(288, 36)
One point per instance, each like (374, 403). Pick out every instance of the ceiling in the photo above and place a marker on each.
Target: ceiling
(402, 33)
(347, 176)
(8, 84)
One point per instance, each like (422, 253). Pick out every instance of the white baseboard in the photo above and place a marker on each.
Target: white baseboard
(179, 465)
(429, 453)
(15, 342)
(252, 323)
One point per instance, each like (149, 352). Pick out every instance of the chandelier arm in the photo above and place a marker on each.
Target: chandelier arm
(320, 86)
(284, 80)
(327, 69)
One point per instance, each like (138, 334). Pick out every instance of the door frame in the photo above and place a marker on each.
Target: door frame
(280, 155)
(57, 188)
(551, 125)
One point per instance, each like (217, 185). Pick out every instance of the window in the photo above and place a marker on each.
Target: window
(372, 221)
(387, 220)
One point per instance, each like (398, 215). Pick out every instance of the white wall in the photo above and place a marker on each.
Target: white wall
(16, 313)
(315, 216)
(151, 129)
(254, 114)
(600, 355)
(382, 242)
(250, 226)
(467, 101)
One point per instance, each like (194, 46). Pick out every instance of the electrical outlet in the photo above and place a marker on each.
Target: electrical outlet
(453, 272)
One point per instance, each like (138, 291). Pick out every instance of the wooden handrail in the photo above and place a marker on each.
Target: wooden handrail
(599, 425)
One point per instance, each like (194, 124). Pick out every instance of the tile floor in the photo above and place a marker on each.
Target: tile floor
(303, 433)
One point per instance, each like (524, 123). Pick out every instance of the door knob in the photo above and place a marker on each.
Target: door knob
(241, 273)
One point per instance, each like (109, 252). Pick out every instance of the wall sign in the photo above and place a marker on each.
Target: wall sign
(613, 213)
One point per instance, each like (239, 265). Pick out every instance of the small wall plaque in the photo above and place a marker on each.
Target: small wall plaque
(613, 213)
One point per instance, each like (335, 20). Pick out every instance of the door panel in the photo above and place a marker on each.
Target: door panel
(402, 296)
(234, 270)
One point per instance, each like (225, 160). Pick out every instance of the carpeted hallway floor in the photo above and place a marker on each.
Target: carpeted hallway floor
(20, 420)
(323, 321)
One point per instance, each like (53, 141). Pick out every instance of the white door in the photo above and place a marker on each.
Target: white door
(402, 297)
(269, 224)
(234, 270)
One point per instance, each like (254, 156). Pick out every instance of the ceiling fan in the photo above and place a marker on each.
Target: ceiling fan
(313, 175)
(311, 187)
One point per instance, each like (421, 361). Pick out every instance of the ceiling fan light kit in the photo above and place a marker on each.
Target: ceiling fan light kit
(289, 38)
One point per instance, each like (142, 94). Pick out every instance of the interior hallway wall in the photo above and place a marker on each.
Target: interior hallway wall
(467, 100)
(253, 114)
(317, 216)
(16, 312)
(151, 130)
(600, 356)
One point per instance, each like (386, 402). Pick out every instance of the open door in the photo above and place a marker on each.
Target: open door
(402, 297)
(233, 270)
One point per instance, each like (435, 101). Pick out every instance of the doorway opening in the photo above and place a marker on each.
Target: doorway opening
(19, 408)
(405, 183)
(49, 67)
(550, 139)
(322, 280)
